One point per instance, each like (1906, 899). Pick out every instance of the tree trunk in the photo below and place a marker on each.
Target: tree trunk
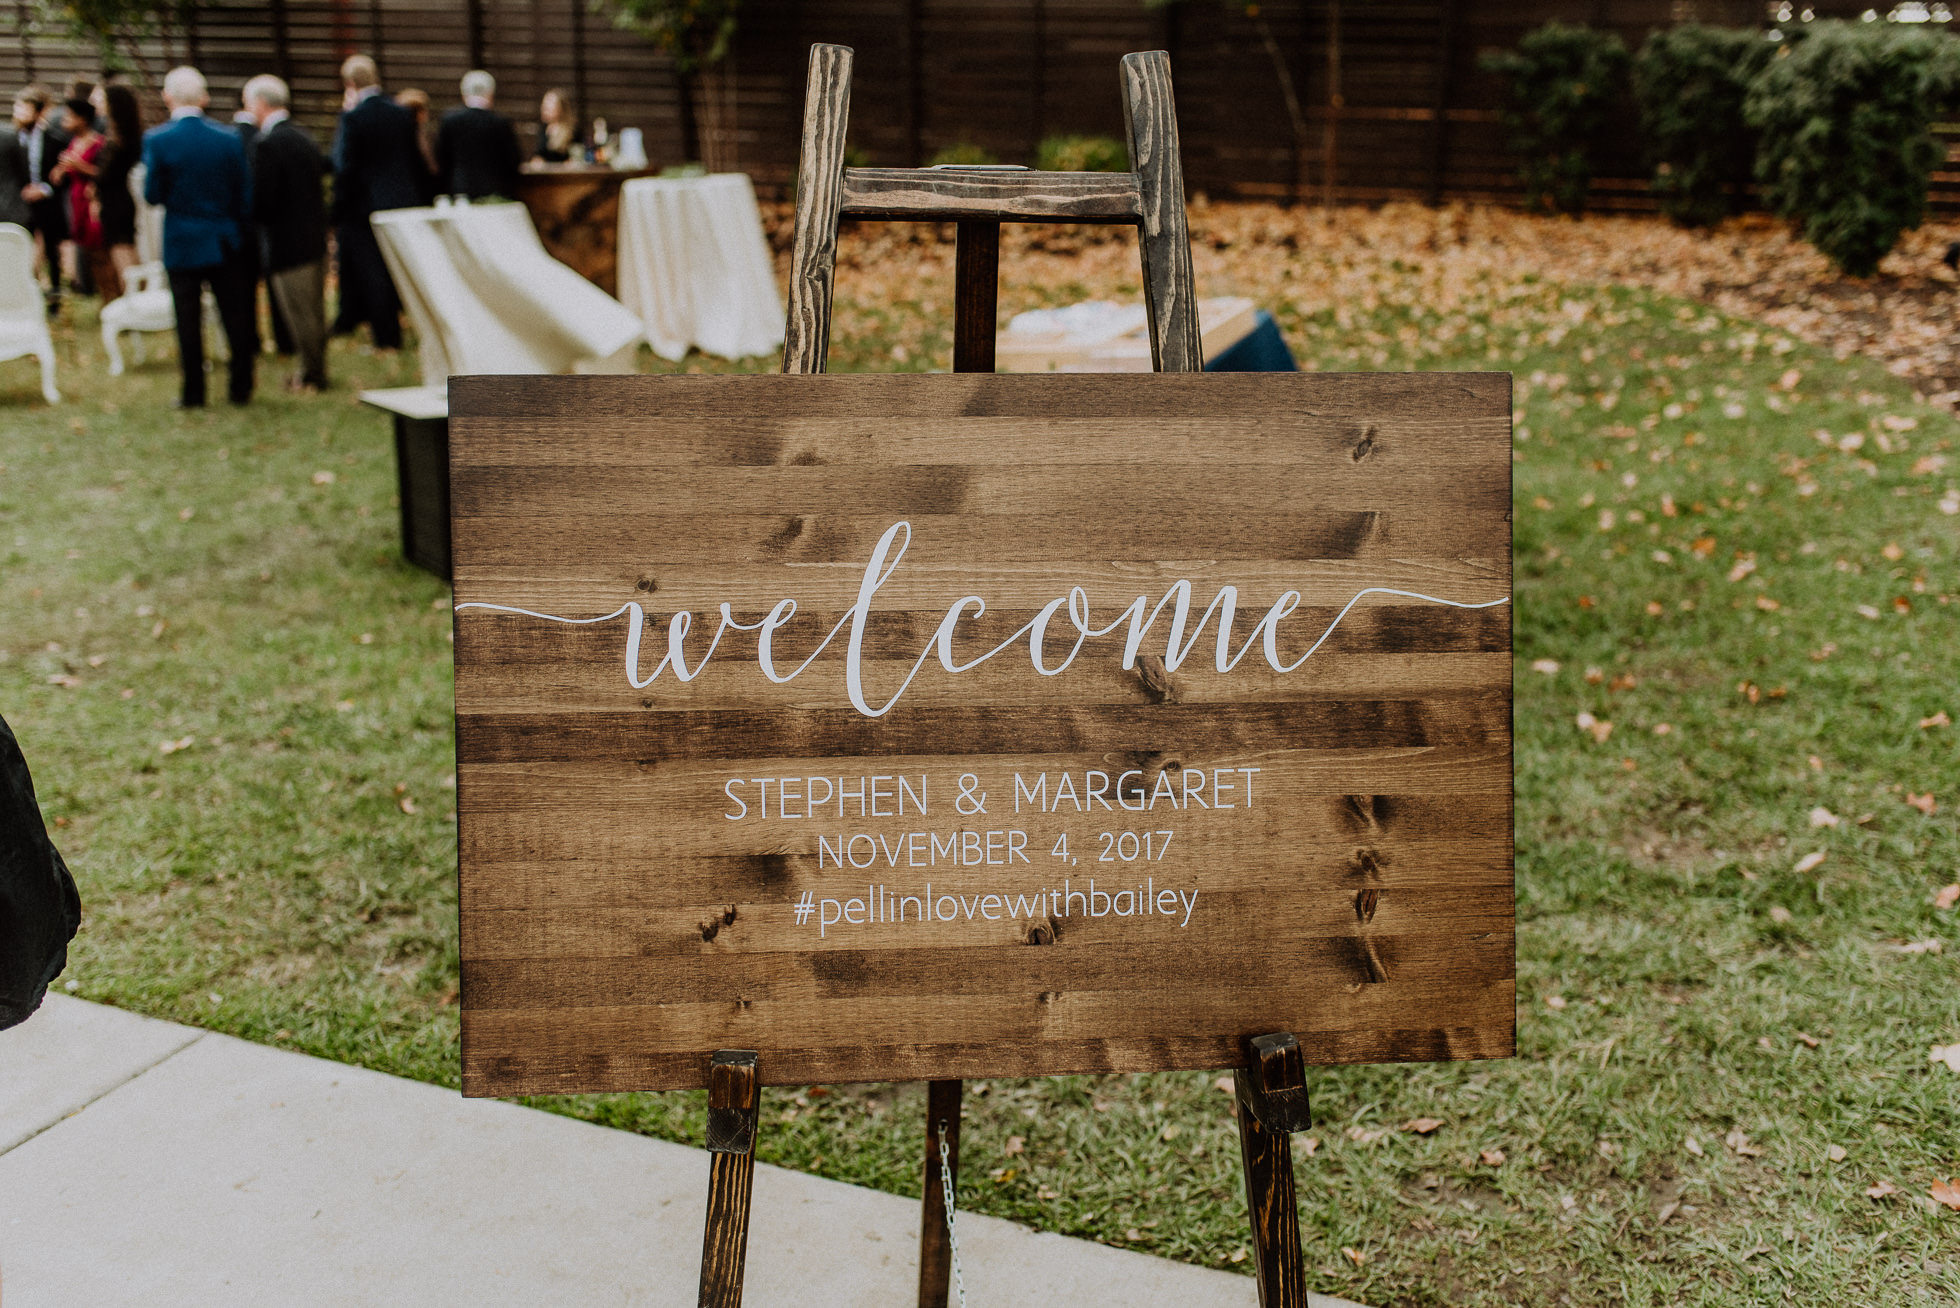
(684, 89)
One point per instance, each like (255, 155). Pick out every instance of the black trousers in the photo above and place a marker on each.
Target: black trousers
(367, 292)
(236, 290)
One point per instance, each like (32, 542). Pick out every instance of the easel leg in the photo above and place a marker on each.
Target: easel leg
(935, 1252)
(1271, 1095)
(976, 296)
(976, 305)
(732, 1104)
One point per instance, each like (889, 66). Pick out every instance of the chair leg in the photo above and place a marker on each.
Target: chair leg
(52, 395)
(114, 349)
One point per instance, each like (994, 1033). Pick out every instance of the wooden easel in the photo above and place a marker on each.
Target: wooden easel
(1271, 1089)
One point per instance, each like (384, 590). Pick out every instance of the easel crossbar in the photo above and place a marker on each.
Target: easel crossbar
(947, 194)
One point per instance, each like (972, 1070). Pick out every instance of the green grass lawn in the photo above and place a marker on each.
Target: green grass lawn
(1738, 552)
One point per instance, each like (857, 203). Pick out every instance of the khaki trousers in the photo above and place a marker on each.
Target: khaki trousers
(301, 294)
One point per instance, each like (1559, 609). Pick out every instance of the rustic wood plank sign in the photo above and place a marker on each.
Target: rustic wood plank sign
(925, 727)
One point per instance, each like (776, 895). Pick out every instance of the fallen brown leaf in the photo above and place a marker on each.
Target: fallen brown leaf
(1947, 896)
(1939, 719)
(1947, 1192)
(1880, 1189)
(1422, 1125)
(1924, 803)
(1491, 1157)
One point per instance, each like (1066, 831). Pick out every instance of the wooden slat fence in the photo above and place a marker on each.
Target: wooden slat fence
(1417, 117)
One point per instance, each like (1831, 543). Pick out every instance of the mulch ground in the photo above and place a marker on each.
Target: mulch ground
(1314, 259)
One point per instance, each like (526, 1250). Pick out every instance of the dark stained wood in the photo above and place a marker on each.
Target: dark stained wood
(976, 295)
(1169, 286)
(935, 1252)
(618, 925)
(733, 1100)
(819, 192)
(576, 212)
(1029, 197)
(1270, 1197)
(1276, 1085)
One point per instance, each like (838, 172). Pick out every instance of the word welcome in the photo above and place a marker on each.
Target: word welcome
(1139, 615)
(880, 907)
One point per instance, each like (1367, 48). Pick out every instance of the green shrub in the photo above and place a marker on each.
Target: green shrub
(1560, 83)
(1691, 82)
(962, 154)
(1844, 121)
(1082, 154)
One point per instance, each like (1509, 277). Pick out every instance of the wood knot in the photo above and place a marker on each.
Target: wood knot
(1365, 446)
(1367, 863)
(1365, 902)
(711, 927)
(1041, 933)
(1156, 678)
(1361, 811)
(646, 584)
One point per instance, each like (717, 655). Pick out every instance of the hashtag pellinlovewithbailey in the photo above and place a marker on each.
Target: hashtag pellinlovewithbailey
(880, 906)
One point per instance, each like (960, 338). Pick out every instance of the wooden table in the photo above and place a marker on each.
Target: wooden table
(576, 210)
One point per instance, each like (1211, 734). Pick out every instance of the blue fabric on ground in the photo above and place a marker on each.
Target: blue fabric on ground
(1262, 349)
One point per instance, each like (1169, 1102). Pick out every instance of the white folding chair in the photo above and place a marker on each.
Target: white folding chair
(23, 312)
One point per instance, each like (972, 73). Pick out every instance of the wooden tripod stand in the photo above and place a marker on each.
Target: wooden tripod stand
(1271, 1089)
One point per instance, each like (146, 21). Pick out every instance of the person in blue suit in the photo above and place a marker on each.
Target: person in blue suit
(196, 171)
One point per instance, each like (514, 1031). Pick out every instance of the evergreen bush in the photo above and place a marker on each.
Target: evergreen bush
(1691, 82)
(1560, 83)
(1082, 154)
(1845, 144)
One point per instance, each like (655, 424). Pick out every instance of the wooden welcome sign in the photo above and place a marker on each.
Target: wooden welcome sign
(913, 727)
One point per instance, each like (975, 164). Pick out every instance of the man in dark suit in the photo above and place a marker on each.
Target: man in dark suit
(13, 180)
(196, 171)
(377, 165)
(47, 206)
(247, 128)
(290, 211)
(476, 147)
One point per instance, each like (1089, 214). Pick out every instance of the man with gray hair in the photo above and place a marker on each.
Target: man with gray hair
(289, 206)
(476, 147)
(377, 164)
(195, 169)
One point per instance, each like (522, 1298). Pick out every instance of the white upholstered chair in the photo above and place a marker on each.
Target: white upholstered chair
(23, 312)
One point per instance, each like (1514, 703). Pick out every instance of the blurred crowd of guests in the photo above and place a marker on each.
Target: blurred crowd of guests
(247, 202)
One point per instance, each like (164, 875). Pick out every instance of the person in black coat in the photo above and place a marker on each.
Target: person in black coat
(13, 180)
(476, 147)
(377, 166)
(47, 202)
(39, 909)
(289, 210)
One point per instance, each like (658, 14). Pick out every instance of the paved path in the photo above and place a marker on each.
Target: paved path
(144, 1162)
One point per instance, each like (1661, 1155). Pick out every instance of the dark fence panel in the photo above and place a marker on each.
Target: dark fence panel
(1409, 114)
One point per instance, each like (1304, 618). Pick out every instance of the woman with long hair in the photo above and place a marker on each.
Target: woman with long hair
(115, 203)
(557, 129)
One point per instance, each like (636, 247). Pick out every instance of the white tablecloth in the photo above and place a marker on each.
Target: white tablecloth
(485, 297)
(694, 265)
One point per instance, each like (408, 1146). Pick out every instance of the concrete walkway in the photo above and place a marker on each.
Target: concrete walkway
(144, 1162)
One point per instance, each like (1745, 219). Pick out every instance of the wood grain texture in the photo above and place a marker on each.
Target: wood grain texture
(1351, 882)
(943, 194)
(935, 1251)
(819, 193)
(976, 294)
(733, 1101)
(1271, 1202)
(1169, 286)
